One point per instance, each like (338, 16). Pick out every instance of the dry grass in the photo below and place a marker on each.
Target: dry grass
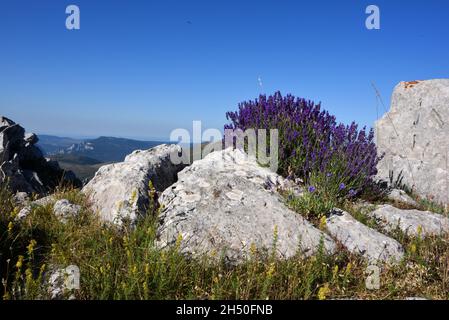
(123, 263)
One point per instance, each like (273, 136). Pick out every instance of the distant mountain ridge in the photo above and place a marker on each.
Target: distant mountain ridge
(85, 156)
(103, 149)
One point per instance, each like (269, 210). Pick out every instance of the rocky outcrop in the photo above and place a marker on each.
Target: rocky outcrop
(414, 135)
(121, 190)
(225, 204)
(28, 207)
(65, 210)
(23, 165)
(397, 195)
(411, 222)
(362, 240)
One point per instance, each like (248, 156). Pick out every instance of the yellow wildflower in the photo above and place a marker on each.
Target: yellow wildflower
(134, 196)
(145, 288)
(134, 270)
(419, 231)
(152, 190)
(323, 292)
(19, 262)
(253, 249)
(348, 268)
(178, 240)
(323, 222)
(31, 246)
(271, 270)
(335, 272)
(28, 275)
(276, 232)
(413, 248)
(15, 212)
(10, 226)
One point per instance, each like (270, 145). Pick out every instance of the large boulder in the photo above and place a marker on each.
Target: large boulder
(414, 135)
(226, 204)
(411, 222)
(22, 164)
(362, 240)
(121, 190)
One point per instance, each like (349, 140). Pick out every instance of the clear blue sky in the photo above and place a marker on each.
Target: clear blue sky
(143, 68)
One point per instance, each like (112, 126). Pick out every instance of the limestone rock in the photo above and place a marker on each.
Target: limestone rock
(411, 222)
(62, 283)
(120, 190)
(401, 196)
(42, 202)
(63, 209)
(22, 164)
(226, 203)
(362, 240)
(414, 135)
(21, 198)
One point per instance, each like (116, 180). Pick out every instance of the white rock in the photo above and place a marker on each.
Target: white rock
(21, 198)
(120, 190)
(60, 281)
(414, 135)
(401, 196)
(64, 210)
(362, 240)
(410, 221)
(42, 202)
(240, 208)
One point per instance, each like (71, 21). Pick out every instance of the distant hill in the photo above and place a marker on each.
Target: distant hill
(74, 158)
(103, 149)
(52, 144)
(84, 157)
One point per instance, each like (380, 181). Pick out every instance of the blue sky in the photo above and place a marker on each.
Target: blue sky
(142, 68)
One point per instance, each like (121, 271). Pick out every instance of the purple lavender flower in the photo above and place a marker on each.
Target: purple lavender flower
(352, 193)
(310, 139)
(312, 189)
(342, 186)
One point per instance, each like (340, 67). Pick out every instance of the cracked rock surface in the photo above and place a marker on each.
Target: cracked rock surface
(225, 203)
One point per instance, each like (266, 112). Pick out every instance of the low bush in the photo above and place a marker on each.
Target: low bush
(336, 160)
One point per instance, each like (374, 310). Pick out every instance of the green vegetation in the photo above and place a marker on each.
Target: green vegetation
(124, 263)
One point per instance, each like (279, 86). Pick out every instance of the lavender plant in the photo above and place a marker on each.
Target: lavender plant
(312, 146)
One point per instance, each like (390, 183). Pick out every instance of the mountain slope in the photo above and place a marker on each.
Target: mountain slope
(103, 149)
(52, 144)
(84, 157)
